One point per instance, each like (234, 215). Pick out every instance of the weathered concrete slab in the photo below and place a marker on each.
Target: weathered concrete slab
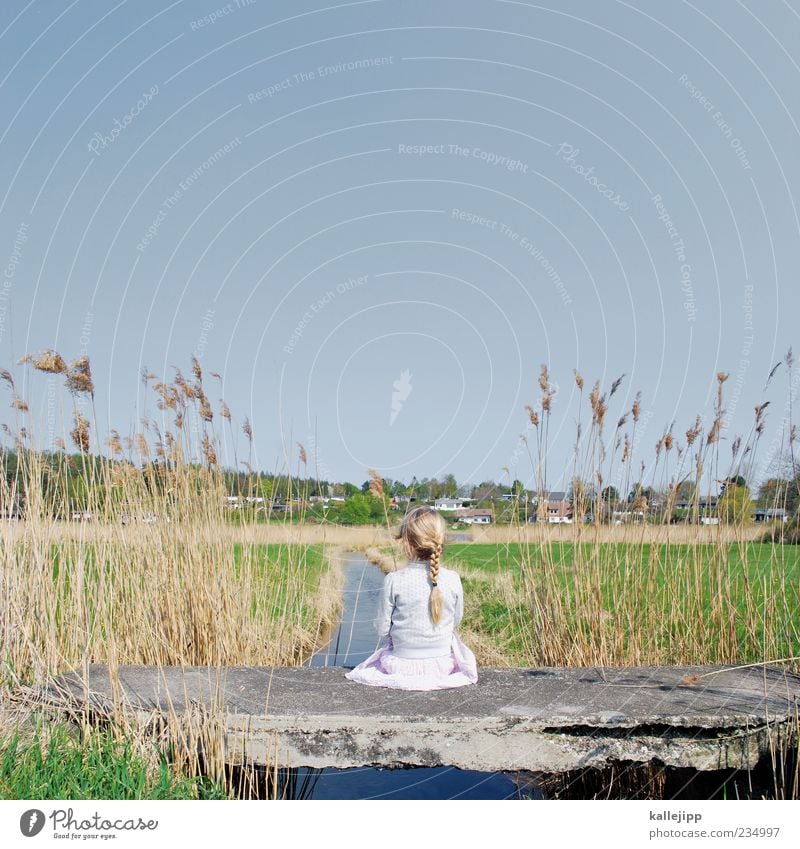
(544, 719)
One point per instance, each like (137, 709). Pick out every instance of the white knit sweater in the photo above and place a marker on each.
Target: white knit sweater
(404, 611)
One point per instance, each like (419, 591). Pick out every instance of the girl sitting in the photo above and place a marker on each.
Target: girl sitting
(420, 607)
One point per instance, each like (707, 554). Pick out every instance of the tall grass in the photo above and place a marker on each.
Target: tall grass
(718, 597)
(151, 571)
(713, 595)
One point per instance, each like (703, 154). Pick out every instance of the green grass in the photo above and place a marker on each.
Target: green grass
(290, 574)
(496, 557)
(666, 592)
(98, 767)
(287, 577)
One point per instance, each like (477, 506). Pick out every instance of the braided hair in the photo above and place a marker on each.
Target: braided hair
(422, 532)
(436, 594)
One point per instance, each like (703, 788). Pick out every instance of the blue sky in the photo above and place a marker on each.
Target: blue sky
(326, 203)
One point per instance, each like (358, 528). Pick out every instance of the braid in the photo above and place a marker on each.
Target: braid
(436, 593)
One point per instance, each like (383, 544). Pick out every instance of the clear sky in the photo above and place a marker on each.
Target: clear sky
(377, 219)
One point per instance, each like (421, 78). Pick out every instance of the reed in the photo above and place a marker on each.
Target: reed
(129, 556)
(599, 594)
(605, 594)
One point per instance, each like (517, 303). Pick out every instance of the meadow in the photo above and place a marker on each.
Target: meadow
(593, 603)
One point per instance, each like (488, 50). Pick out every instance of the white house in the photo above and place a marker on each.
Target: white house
(476, 517)
(450, 503)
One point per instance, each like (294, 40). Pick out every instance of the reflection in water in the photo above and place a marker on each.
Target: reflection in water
(259, 782)
(354, 638)
(417, 783)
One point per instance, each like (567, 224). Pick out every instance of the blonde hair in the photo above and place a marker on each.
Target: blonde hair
(422, 532)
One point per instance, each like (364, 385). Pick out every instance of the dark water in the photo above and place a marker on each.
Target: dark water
(419, 783)
(353, 641)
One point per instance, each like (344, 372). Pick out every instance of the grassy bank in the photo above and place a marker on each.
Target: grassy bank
(56, 763)
(156, 596)
(579, 603)
(162, 596)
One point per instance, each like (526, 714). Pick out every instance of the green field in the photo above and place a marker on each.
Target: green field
(495, 557)
(632, 603)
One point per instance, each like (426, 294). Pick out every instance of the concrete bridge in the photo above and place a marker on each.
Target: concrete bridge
(542, 719)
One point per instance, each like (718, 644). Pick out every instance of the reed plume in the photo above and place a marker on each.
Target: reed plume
(80, 432)
(48, 361)
(375, 483)
(79, 377)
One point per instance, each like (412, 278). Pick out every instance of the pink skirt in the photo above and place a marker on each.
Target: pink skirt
(384, 669)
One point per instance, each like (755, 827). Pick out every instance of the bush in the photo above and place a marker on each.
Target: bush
(735, 505)
(783, 532)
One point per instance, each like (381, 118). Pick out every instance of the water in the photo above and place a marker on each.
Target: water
(353, 641)
(418, 783)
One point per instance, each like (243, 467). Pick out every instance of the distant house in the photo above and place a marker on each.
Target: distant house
(625, 517)
(450, 503)
(770, 514)
(706, 508)
(476, 516)
(704, 502)
(236, 502)
(400, 502)
(558, 507)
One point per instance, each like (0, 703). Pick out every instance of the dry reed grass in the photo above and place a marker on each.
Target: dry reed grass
(159, 576)
(641, 534)
(273, 533)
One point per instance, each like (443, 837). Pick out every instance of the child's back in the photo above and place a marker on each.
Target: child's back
(420, 607)
(404, 613)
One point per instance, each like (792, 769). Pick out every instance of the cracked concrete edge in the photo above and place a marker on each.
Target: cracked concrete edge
(476, 745)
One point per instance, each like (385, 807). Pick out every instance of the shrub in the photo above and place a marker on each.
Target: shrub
(783, 532)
